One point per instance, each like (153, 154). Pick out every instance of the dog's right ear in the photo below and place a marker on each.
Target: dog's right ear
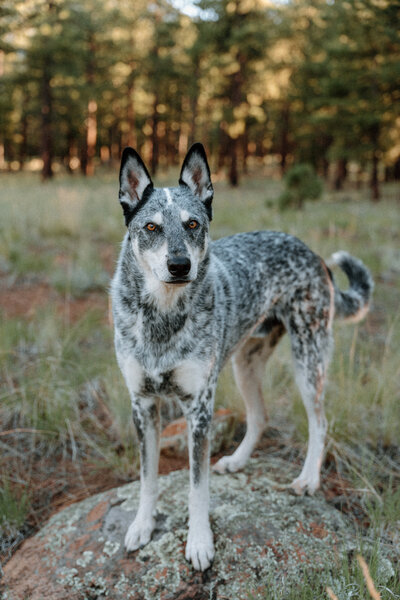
(134, 183)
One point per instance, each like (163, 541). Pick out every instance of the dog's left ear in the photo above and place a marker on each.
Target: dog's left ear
(195, 174)
(134, 183)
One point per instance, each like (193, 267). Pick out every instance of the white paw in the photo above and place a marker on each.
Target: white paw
(228, 464)
(139, 533)
(200, 549)
(303, 484)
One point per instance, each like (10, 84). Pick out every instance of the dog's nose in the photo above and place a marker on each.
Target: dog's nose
(179, 266)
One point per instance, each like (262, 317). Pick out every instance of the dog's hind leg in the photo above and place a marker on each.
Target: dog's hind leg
(146, 415)
(311, 351)
(248, 367)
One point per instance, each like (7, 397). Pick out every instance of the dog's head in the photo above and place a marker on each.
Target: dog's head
(168, 227)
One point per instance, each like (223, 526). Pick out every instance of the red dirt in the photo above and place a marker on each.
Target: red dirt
(179, 426)
(170, 463)
(73, 309)
(22, 301)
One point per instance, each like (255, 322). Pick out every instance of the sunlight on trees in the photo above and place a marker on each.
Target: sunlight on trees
(304, 81)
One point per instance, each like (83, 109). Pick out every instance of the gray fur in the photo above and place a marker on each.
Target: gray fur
(350, 303)
(241, 294)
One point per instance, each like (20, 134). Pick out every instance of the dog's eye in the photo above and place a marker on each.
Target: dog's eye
(193, 224)
(151, 227)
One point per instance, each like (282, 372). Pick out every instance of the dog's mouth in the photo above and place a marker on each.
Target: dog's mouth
(178, 282)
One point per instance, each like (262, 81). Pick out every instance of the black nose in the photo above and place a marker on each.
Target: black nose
(179, 266)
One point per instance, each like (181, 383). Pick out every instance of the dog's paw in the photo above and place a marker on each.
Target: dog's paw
(139, 533)
(304, 484)
(228, 464)
(200, 549)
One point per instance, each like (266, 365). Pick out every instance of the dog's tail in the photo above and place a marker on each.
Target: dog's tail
(353, 304)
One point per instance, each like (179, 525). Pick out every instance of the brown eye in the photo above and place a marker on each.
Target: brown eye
(151, 227)
(193, 224)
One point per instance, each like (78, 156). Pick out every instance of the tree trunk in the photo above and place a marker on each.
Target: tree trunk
(341, 173)
(88, 148)
(24, 138)
(284, 141)
(185, 128)
(222, 147)
(69, 153)
(193, 118)
(130, 115)
(375, 190)
(233, 170)
(155, 148)
(91, 137)
(325, 168)
(83, 155)
(2, 147)
(396, 170)
(236, 96)
(245, 149)
(194, 102)
(47, 115)
(47, 140)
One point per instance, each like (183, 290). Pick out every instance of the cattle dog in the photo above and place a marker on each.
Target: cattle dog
(182, 305)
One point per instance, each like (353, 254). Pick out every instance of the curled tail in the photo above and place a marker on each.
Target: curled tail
(353, 304)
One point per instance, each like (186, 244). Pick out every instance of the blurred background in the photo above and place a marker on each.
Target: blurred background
(256, 81)
(298, 105)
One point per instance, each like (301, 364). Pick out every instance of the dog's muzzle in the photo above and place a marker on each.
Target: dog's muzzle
(179, 267)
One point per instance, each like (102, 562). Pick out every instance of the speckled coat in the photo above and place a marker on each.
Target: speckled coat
(182, 305)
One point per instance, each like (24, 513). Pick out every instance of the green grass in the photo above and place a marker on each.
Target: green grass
(13, 509)
(345, 579)
(42, 230)
(59, 378)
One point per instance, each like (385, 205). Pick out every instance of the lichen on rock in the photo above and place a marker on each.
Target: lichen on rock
(263, 536)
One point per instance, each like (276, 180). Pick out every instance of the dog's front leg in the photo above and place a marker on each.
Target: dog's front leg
(146, 416)
(199, 547)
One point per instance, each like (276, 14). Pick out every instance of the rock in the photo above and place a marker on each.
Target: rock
(174, 435)
(263, 535)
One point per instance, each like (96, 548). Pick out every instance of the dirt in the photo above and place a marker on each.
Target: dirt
(23, 297)
(22, 301)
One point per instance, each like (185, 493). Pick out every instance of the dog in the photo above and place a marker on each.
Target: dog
(182, 305)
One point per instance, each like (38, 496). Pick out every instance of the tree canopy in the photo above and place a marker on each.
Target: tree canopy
(311, 81)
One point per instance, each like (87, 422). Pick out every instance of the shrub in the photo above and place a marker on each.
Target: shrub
(302, 183)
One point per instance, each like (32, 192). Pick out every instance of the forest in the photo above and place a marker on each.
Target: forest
(257, 81)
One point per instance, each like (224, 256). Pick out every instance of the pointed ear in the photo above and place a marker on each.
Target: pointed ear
(134, 183)
(195, 174)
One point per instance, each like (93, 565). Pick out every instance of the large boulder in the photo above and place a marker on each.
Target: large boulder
(263, 534)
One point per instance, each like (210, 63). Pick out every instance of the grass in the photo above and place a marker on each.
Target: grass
(62, 399)
(352, 577)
